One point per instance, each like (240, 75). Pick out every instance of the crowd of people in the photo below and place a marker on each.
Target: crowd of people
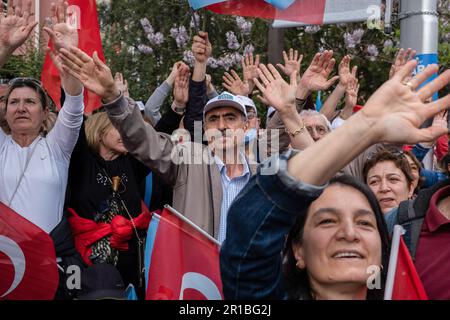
(302, 208)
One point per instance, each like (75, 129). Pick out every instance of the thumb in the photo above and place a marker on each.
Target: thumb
(98, 63)
(282, 68)
(332, 81)
(50, 33)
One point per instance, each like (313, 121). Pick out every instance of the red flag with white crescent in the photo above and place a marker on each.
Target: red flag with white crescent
(28, 268)
(184, 262)
(82, 14)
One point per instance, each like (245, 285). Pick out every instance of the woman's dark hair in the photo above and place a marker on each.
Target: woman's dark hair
(419, 167)
(32, 84)
(296, 280)
(397, 157)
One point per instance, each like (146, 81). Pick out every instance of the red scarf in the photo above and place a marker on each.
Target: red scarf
(86, 232)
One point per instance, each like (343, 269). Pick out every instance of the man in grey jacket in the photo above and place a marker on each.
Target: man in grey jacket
(206, 179)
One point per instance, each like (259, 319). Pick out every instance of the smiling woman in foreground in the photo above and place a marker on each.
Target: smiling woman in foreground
(336, 230)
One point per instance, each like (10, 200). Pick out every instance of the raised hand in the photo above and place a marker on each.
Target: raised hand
(61, 33)
(181, 88)
(351, 92)
(201, 47)
(396, 110)
(174, 72)
(250, 69)
(234, 84)
(402, 57)
(121, 84)
(316, 76)
(292, 62)
(92, 72)
(344, 72)
(17, 26)
(275, 91)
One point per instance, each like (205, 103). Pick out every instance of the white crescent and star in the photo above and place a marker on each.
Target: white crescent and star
(13, 251)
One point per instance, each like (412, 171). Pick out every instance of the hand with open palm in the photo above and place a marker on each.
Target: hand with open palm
(316, 76)
(275, 90)
(92, 72)
(291, 63)
(16, 27)
(396, 111)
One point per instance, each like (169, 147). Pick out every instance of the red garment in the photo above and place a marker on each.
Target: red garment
(86, 232)
(441, 147)
(433, 250)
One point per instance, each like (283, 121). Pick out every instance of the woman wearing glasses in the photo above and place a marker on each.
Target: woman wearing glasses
(34, 165)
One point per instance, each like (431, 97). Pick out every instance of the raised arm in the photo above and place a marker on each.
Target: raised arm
(249, 70)
(15, 28)
(202, 48)
(393, 114)
(156, 100)
(67, 126)
(316, 76)
(345, 76)
(141, 140)
(281, 95)
(292, 63)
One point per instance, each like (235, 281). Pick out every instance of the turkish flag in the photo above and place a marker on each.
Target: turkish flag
(82, 15)
(407, 284)
(27, 259)
(184, 263)
(305, 11)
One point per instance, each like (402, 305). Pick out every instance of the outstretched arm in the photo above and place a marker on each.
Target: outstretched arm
(143, 142)
(345, 77)
(393, 114)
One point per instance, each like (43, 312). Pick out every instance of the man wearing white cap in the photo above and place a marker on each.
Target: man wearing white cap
(202, 190)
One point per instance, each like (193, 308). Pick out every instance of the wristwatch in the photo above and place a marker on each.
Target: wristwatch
(179, 110)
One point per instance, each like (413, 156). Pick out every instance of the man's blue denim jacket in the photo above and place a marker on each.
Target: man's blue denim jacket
(258, 222)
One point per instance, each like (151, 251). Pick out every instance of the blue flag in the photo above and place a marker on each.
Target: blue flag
(280, 4)
(319, 101)
(197, 4)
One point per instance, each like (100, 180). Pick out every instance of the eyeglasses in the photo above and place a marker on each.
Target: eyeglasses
(251, 115)
(398, 154)
(320, 130)
(21, 80)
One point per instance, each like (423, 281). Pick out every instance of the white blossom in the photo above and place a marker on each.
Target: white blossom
(244, 25)
(145, 49)
(312, 29)
(188, 57)
(180, 35)
(212, 63)
(147, 26)
(232, 40)
(249, 49)
(354, 38)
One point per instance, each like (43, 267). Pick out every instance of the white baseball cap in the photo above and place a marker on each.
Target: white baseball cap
(225, 99)
(270, 112)
(249, 103)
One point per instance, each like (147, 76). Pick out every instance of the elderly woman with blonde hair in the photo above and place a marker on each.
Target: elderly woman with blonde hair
(104, 190)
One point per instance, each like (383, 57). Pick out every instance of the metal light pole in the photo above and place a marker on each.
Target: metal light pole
(419, 31)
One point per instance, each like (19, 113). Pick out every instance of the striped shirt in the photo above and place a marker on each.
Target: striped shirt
(231, 188)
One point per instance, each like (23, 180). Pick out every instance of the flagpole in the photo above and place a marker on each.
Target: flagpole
(193, 225)
(398, 232)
